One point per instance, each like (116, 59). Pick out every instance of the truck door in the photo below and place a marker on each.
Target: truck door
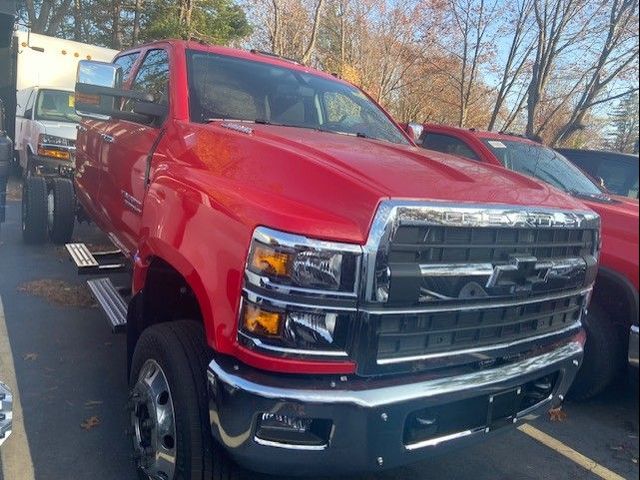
(89, 146)
(126, 152)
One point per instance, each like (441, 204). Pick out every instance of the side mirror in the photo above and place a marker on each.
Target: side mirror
(99, 90)
(28, 113)
(414, 130)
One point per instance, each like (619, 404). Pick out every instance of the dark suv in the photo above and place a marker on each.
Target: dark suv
(617, 172)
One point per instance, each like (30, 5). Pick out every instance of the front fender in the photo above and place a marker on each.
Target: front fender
(207, 247)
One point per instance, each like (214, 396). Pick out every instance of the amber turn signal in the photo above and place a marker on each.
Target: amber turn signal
(257, 320)
(266, 259)
(50, 152)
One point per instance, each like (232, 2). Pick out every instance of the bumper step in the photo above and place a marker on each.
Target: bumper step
(111, 302)
(87, 261)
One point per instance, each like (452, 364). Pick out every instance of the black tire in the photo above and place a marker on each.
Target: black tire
(62, 221)
(34, 210)
(602, 355)
(180, 349)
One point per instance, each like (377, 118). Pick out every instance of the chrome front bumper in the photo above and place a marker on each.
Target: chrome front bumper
(6, 414)
(633, 346)
(368, 416)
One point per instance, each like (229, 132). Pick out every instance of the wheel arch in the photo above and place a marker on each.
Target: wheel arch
(166, 288)
(608, 281)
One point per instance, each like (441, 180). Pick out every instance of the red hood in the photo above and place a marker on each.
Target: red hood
(329, 185)
(619, 235)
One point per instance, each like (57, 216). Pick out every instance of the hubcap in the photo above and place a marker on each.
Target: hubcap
(153, 423)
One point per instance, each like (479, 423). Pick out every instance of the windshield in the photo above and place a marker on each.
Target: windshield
(57, 106)
(543, 163)
(228, 88)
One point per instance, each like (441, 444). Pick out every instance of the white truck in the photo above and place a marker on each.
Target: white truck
(40, 108)
(45, 118)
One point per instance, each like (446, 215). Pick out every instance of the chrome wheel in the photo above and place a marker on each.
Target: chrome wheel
(153, 423)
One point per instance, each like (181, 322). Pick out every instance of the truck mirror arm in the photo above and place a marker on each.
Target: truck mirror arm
(144, 109)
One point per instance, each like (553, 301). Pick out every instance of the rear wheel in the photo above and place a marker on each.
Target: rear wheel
(61, 215)
(602, 355)
(34, 210)
(169, 406)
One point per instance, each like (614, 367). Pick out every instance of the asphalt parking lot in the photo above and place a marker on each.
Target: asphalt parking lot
(68, 370)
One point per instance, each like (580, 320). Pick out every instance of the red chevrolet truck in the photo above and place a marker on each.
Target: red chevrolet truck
(612, 322)
(311, 292)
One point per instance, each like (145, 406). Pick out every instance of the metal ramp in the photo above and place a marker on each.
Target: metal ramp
(111, 302)
(91, 263)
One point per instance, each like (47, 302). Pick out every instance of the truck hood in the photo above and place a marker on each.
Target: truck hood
(340, 179)
(59, 129)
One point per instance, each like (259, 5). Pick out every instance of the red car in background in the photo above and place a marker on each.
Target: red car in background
(612, 322)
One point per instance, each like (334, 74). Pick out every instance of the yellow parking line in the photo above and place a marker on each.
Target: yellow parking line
(15, 453)
(571, 454)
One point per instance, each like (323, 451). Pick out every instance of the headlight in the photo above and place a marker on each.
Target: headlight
(298, 261)
(300, 294)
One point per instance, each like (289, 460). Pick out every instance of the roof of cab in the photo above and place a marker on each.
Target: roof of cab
(253, 55)
(483, 134)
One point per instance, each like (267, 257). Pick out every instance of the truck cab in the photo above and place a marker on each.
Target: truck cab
(46, 124)
(310, 291)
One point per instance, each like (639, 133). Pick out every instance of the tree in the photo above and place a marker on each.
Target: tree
(618, 54)
(471, 20)
(46, 16)
(554, 22)
(520, 49)
(215, 21)
(625, 119)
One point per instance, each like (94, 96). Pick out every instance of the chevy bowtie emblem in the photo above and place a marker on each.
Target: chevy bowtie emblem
(520, 274)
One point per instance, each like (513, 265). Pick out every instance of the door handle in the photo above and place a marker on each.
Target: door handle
(107, 138)
(81, 128)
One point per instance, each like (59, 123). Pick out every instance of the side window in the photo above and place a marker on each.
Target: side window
(448, 144)
(153, 76)
(126, 63)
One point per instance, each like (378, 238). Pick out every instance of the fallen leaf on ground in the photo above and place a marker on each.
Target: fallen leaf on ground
(31, 356)
(557, 415)
(90, 423)
(59, 292)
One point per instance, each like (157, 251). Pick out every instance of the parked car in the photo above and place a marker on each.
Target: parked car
(617, 172)
(310, 291)
(612, 322)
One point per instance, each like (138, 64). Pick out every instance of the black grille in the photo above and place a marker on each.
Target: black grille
(440, 244)
(417, 334)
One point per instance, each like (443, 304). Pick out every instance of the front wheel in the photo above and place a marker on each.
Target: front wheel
(169, 406)
(602, 355)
